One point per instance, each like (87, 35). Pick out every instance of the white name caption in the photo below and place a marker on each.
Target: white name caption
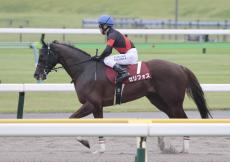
(138, 77)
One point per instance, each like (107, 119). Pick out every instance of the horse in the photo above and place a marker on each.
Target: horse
(165, 87)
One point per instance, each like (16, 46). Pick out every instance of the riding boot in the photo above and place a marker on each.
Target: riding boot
(122, 72)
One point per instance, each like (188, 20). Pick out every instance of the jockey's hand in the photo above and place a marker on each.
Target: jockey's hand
(95, 58)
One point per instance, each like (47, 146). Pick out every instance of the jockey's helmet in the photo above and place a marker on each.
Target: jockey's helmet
(105, 20)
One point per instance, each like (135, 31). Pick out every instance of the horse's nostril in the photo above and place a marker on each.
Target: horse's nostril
(37, 76)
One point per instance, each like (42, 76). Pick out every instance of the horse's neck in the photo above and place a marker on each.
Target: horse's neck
(71, 60)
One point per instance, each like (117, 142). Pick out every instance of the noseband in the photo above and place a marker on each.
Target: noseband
(49, 62)
(51, 56)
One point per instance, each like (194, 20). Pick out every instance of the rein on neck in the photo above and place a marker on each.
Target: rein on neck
(61, 67)
(81, 62)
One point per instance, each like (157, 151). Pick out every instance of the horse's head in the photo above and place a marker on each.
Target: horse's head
(47, 60)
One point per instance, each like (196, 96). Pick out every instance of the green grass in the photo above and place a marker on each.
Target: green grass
(69, 13)
(17, 66)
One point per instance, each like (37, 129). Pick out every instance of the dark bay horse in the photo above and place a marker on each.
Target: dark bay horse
(166, 89)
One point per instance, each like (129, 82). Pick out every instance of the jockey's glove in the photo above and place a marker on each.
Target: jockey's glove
(96, 58)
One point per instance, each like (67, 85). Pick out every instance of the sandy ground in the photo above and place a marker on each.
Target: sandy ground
(67, 149)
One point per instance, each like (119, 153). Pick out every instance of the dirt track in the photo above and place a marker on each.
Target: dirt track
(67, 149)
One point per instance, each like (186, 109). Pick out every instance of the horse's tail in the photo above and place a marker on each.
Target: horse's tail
(195, 91)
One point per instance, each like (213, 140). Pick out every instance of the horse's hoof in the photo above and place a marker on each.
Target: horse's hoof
(99, 150)
(184, 151)
(85, 143)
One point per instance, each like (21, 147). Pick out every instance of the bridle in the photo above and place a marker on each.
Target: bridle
(48, 66)
(48, 62)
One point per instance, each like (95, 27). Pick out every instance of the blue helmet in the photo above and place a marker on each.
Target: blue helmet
(105, 20)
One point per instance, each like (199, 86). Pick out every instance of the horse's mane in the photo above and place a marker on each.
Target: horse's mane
(72, 47)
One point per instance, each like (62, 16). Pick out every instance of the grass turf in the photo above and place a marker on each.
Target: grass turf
(69, 13)
(17, 66)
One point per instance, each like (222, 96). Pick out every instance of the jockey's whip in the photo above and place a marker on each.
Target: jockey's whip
(95, 75)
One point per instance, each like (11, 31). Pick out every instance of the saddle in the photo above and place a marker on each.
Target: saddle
(138, 72)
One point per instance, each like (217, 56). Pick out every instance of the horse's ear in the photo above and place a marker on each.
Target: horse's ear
(42, 40)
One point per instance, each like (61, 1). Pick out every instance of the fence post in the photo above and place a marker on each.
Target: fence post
(163, 27)
(206, 39)
(63, 36)
(20, 105)
(225, 27)
(20, 35)
(169, 27)
(141, 155)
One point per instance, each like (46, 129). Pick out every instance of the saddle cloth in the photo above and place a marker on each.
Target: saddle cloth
(137, 72)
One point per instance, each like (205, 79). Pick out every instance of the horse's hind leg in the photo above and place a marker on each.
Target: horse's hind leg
(172, 112)
(162, 105)
(156, 100)
(178, 112)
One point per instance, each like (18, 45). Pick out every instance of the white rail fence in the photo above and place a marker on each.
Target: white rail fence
(140, 128)
(134, 130)
(67, 87)
(82, 127)
(22, 88)
(114, 127)
(125, 31)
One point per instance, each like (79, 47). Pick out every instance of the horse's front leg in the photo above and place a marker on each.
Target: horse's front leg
(85, 110)
(99, 114)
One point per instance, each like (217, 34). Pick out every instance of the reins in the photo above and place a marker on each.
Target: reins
(55, 69)
(61, 67)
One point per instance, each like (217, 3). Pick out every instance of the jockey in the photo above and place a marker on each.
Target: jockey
(127, 51)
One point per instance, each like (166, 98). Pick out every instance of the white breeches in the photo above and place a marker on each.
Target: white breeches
(130, 57)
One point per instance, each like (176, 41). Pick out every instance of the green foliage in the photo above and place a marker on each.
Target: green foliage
(17, 66)
(69, 13)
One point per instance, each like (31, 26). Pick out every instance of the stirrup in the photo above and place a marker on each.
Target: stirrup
(121, 78)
